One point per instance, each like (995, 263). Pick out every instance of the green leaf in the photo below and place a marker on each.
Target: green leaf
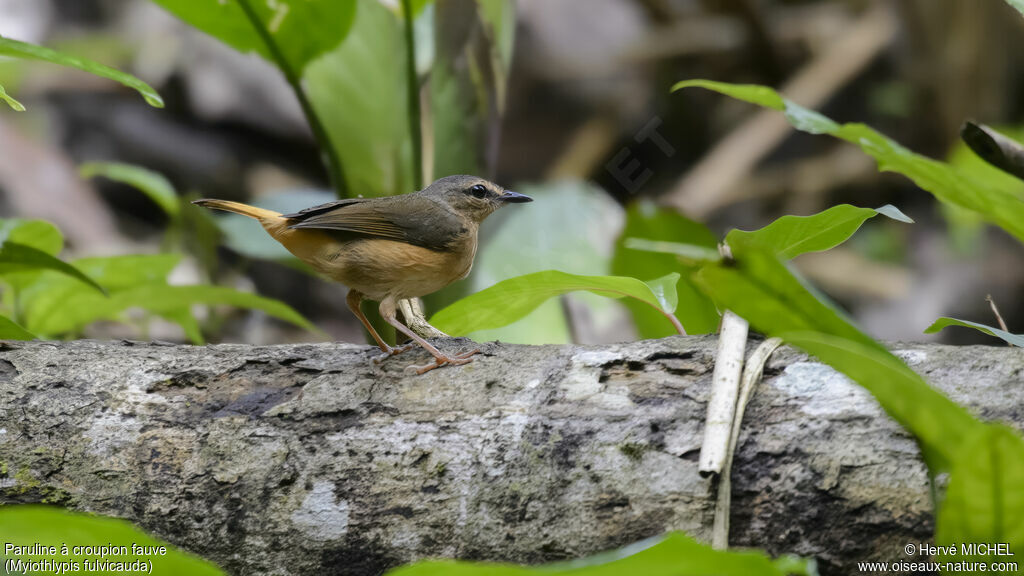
(645, 220)
(17, 106)
(160, 299)
(1015, 339)
(10, 330)
(512, 299)
(984, 503)
(791, 236)
(25, 525)
(16, 257)
(303, 30)
(947, 183)
(38, 234)
(55, 306)
(675, 554)
(359, 90)
(761, 289)
(154, 185)
(18, 49)
(50, 294)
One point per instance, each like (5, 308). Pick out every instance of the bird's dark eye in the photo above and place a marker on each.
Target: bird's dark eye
(478, 191)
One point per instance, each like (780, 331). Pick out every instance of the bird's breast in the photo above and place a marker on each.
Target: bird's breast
(380, 268)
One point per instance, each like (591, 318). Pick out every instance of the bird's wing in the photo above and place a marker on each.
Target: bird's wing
(410, 218)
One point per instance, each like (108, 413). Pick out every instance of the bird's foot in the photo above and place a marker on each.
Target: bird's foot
(456, 360)
(392, 351)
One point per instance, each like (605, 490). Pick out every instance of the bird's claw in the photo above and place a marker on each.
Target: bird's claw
(456, 360)
(376, 360)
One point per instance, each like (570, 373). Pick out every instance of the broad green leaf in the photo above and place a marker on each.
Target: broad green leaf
(757, 286)
(16, 257)
(161, 299)
(17, 106)
(675, 554)
(154, 185)
(359, 92)
(984, 502)
(791, 236)
(644, 220)
(512, 299)
(18, 49)
(25, 525)
(10, 330)
(1015, 339)
(38, 234)
(55, 306)
(945, 182)
(302, 30)
(50, 294)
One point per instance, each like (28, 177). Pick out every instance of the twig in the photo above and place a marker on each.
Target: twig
(336, 171)
(751, 376)
(415, 125)
(995, 310)
(994, 148)
(725, 384)
(412, 313)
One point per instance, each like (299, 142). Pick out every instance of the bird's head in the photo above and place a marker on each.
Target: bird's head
(472, 197)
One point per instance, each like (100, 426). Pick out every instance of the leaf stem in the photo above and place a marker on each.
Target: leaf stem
(336, 171)
(415, 126)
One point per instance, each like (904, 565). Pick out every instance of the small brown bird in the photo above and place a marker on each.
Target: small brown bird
(392, 248)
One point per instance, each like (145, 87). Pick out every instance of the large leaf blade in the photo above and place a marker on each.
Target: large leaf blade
(154, 185)
(791, 236)
(15, 48)
(166, 300)
(984, 504)
(26, 525)
(38, 234)
(11, 330)
(14, 104)
(947, 183)
(1009, 338)
(675, 554)
(512, 299)
(16, 257)
(302, 30)
(359, 91)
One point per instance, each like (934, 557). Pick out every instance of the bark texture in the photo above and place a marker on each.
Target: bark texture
(308, 459)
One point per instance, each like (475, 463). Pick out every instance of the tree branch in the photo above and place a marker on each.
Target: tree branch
(307, 459)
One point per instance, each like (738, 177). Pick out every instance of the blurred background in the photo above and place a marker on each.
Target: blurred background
(583, 119)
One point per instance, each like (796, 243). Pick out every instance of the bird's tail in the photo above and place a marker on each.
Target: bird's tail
(238, 208)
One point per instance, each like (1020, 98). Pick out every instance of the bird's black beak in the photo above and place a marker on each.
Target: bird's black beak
(514, 197)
